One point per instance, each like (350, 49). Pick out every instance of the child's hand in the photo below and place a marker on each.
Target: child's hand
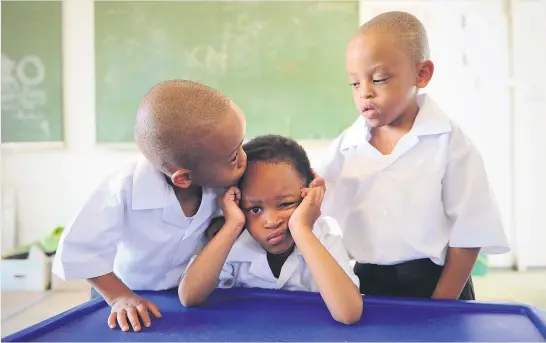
(229, 202)
(132, 307)
(317, 182)
(308, 211)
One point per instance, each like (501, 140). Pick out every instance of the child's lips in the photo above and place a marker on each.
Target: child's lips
(277, 236)
(369, 111)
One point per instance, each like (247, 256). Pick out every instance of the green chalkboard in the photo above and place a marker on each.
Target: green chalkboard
(282, 62)
(31, 71)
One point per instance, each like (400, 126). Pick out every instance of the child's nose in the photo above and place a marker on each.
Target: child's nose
(365, 90)
(272, 221)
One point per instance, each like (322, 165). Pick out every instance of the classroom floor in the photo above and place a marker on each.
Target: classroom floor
(22, 309)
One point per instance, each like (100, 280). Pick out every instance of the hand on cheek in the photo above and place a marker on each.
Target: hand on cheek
(308, 211)
(317, 182)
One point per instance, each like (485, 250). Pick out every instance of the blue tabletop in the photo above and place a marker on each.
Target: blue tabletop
(265, 315)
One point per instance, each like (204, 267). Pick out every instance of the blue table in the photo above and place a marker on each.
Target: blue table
(265, 315)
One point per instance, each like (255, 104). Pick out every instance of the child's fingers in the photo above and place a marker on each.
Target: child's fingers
(320, 196)
(315, 196)
(133, 319)
(154, 309)
(310, 195)
(143, 312)
(233, 193)
(122, 320)
(237, 193)
(228, 193)
(317, 182)
(112, 320)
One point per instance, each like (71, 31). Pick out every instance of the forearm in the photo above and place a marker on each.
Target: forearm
(110, 287)
(202, 275)
(457, 269)
(340, 294)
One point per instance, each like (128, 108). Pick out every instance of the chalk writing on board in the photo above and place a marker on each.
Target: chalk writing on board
(242, 42)
(208, 58)
(248, 26)
(23, 95)
(205, 58)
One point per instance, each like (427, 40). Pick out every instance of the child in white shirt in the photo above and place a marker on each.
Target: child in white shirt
(284, 246)
(405, 184)
(142, 225)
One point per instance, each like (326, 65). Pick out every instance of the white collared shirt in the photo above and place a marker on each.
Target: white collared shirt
(431, 192)
(247, 266)
(133, 225)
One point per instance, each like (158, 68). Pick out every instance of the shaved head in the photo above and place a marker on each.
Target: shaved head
(172, 120)
(387, 62)
(409, 31)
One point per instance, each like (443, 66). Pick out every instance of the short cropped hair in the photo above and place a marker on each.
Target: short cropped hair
(405, 27)
(279, 149)
(172, 119)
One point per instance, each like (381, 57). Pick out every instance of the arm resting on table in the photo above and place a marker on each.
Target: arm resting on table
(202, 275)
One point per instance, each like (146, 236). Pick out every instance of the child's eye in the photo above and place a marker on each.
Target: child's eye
(254, 210)
(355, 84)
(234, 159)
(380, 81)
(287, 205)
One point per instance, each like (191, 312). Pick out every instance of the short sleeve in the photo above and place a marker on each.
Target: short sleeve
(227, 276)
(330, 168)
(473, 215)
(334, 244)
(226, 279)
(88, 245)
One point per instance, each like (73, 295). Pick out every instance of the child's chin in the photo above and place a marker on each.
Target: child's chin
(280, 248)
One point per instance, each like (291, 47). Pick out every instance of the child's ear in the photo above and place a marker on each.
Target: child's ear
(425, 70)
(182, 178)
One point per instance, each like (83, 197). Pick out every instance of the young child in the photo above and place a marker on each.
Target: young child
(405, 184)
(142, 225)
(284, 246)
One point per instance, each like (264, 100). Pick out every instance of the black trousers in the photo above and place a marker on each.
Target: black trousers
(412, 279)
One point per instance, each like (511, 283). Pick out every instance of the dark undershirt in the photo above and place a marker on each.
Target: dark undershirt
(277, 261)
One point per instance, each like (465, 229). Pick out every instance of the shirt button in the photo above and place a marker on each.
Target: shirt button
(385, 212)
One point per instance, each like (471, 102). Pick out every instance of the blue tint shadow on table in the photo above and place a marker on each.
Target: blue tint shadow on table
(245, 315)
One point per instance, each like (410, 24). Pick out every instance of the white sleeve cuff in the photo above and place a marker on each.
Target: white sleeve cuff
(75, 271)
(480, 231)
(226, 278)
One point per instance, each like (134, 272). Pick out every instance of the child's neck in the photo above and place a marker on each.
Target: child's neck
(405, 120)
(277, 261)
(385, 138)
(188, 198)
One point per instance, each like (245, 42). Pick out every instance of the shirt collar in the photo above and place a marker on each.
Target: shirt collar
(431, 120)
(246, 248)
(150, 187)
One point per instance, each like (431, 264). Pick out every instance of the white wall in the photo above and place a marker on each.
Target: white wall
(51, 185)
(529, 49)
